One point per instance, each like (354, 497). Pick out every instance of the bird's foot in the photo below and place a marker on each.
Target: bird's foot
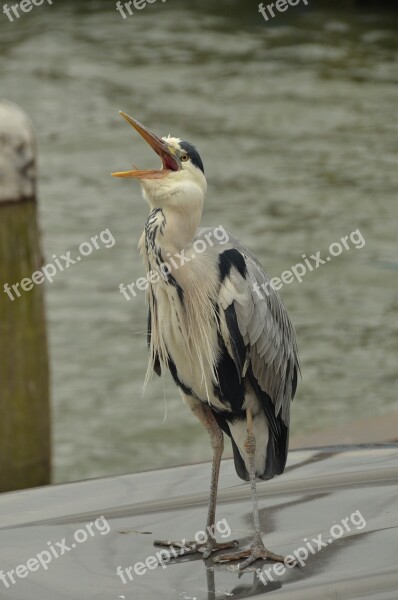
(257, 551)
(205, 548)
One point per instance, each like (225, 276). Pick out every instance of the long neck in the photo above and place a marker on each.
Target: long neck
(170, 230)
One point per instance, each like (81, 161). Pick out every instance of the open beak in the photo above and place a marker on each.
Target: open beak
(162, 149)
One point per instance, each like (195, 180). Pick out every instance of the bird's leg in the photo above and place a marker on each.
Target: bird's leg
(206, 417)
(257, 550)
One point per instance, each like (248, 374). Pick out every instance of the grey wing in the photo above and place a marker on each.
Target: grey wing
(264, 327)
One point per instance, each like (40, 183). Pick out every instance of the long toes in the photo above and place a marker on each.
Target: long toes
(251, 555)
(178, 548)
(271, 556)
(211, 547)
(179, 544)
(260, 554)
(232, 556)
(226, 545)
(249, 561)
(192, 547)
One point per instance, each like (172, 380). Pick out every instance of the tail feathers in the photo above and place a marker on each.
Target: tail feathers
(276, 457)
(278, 438)
(240, 467)
(271, 451)
(274, 464)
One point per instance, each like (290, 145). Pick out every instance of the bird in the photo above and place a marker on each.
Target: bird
(231, 351)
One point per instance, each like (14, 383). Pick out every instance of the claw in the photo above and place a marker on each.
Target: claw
(256, 552)
(204, 548)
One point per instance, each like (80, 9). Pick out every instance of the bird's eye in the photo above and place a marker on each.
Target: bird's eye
(184, 157)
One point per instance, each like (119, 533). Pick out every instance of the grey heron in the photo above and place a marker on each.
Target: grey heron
(232, 352)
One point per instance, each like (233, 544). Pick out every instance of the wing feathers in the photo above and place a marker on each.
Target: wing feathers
(265, 330)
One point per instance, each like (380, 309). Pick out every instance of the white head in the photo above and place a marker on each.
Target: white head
(179, 187)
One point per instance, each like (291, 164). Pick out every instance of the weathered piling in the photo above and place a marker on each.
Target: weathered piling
(24, 375)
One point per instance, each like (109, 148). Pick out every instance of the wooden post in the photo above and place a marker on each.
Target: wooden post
(24, 377)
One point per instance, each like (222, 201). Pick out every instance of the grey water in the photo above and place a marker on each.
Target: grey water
(296, 122)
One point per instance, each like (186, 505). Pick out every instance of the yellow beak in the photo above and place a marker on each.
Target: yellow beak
(162, 149)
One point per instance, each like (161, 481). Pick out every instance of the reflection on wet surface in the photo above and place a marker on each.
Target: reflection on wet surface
(361, 563)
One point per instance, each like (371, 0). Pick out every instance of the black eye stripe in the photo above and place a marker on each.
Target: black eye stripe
(193, 154)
